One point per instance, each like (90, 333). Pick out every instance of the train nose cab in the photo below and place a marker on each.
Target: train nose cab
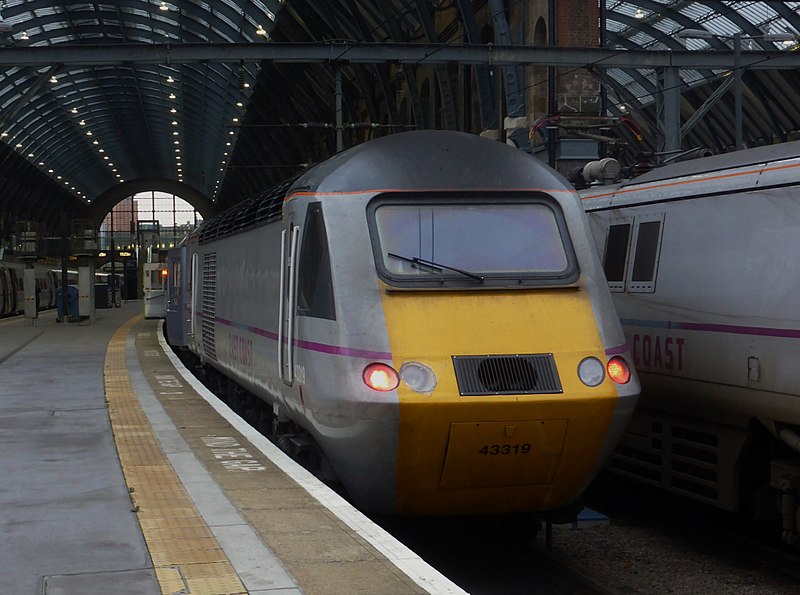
(502, 370)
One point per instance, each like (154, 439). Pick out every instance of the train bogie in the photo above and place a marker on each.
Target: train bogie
(428, 308)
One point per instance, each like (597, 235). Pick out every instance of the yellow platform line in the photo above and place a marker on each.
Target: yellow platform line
(186, 556)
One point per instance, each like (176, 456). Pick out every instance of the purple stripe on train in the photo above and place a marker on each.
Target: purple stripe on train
(309, 345)
(715, 328)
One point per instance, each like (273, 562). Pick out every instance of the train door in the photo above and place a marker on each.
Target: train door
(6, 292)
(287, 316)
(17, 294)
(176, 295)
(192, 297)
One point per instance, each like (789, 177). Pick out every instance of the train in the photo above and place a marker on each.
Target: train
(154, 277)
(427, 313)
(12, 296)
(700, 257)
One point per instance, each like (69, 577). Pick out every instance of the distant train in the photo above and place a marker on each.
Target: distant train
(702, 260)
(426, 310)
(12, 295)
(154, 282)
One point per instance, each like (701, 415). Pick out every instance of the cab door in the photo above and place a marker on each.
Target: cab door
(287, 304)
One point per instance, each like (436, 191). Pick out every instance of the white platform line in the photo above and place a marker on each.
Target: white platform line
(398, 554)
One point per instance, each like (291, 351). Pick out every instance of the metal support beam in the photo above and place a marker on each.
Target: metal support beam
(512, 75)
(737, 89)
(669, 109)
(707, 105)
(404, 53)
(339, 140)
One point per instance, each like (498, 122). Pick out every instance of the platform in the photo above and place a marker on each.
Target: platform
(122, 474)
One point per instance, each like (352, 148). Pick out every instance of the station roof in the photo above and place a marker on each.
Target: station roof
(206, 100)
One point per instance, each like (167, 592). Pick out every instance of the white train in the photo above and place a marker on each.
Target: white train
(154, 281)
(703, 259)
(12, 294)
(427, 309)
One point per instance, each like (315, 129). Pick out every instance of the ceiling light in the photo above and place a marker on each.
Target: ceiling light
(82, 122)
(236, 119)
(53, 79)
(239, 104)
(246, 85)
(105, 157)
(19, 146)
(170, 79)
(41, 163)
(163, 6)
(173, 111)
(177, 142)
(58, 177)
(74, 110)
(24, 36)
(261, 31)
(172, 96)
(101, 150)
(174, 122)
(177, 150)
(4, 134)
(175, 133)
(96, 142)
(30, 155)
(49, 171)
(639, 13)
(88, 133)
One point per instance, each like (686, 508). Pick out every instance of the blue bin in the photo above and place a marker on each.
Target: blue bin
(72, 302)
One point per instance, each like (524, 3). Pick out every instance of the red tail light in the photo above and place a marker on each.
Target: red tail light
(618, 370)
(380, 377)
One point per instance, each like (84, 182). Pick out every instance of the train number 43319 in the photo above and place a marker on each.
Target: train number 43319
(506, 449)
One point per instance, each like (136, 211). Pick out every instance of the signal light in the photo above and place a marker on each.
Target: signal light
(380, 377)
(164, 272)
(618, 370)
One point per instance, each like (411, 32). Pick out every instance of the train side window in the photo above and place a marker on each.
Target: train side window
(645, 251)
(616, 256)
(314, 283)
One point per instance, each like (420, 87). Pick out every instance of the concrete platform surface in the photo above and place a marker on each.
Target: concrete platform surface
(122, 474)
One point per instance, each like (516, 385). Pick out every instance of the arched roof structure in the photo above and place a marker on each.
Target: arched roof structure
(222, 99)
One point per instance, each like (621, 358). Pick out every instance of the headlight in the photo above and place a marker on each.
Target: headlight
(419, 377)
(591, 371)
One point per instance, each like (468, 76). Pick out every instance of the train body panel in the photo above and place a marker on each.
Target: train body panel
(177, 309)
(709, 310)
(296, 308)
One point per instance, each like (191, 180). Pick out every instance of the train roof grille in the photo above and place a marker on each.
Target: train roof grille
(249, 214)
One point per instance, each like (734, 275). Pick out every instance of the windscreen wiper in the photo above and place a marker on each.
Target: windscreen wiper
(437, 266)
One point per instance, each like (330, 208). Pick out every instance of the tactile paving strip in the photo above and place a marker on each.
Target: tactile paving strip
(186, 556)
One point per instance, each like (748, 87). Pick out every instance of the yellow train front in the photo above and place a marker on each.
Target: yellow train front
(427, 310)
(464, 357)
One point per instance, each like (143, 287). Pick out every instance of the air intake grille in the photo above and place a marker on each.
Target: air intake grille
(506, 374)
(209, 303)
